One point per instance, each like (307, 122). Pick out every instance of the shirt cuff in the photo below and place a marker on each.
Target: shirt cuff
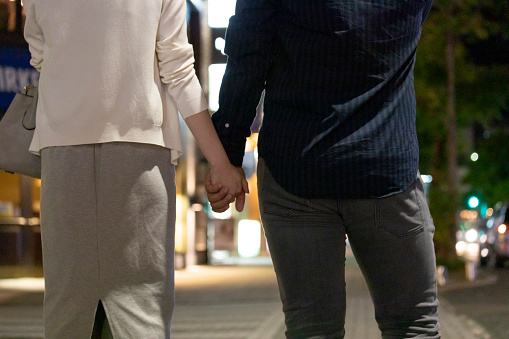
(234, 148)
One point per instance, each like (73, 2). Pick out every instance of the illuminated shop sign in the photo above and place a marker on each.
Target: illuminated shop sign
(15, 73)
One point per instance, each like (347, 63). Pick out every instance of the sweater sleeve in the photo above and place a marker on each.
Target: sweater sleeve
(33, 35)
(176, 59)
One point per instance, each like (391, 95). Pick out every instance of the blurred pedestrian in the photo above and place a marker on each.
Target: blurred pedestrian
(338, 155)
(112, 76)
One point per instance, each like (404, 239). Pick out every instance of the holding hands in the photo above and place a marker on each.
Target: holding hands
(226, 185)
(224, 182)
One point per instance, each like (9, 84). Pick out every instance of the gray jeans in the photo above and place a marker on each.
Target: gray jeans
(391, 238)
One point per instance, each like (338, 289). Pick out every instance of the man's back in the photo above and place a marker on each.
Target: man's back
(335, 52)
(340, 103)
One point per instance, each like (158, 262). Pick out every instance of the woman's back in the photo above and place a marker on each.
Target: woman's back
(102, 66)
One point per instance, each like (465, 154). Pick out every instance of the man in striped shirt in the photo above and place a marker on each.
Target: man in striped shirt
(338, 155)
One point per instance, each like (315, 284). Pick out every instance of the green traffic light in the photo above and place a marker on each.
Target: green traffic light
(473, 202)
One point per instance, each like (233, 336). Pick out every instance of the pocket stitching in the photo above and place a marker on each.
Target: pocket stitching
(288, 213)
(417, 229)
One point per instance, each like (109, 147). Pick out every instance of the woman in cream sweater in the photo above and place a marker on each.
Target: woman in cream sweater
(113, 77)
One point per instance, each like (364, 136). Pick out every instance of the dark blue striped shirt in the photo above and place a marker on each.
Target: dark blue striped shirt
(339, 110)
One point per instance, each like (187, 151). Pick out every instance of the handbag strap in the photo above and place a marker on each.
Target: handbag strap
(29, 116)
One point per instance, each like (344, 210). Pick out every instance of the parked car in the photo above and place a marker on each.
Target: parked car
(498, 233)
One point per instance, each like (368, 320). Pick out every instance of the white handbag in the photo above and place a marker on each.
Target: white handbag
(16, 133)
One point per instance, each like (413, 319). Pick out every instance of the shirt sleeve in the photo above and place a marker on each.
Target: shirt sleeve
(249, 47)
(33, 36)
(176, 59)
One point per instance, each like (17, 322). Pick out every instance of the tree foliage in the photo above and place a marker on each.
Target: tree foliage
(481, 80)
(490, 174)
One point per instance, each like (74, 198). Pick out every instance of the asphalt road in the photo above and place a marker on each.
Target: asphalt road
(485, 300)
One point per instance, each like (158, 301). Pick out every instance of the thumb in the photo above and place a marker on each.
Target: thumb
(209, 187)
(245, 186)
(239, 203)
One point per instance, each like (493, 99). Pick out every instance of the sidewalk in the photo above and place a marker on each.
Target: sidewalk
(230, 302)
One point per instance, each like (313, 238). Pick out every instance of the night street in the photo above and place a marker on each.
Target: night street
(240, 302)
(486, 301)
(159, 155)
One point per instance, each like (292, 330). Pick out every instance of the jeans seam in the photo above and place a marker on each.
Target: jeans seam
(417, 198)
(289, 213)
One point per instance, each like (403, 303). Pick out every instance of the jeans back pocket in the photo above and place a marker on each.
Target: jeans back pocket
(401, 214)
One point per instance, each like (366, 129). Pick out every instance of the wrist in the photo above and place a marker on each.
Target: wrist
(219, 160)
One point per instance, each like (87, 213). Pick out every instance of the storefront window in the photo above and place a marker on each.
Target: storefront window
(20, 239)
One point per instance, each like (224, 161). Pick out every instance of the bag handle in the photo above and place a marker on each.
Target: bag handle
(29, 116)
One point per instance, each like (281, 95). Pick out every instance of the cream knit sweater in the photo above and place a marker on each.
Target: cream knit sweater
(116, 70)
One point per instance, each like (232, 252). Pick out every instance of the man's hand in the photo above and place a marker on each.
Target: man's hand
(220, 198)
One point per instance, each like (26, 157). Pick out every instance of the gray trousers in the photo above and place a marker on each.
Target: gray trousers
(391, 238)
(108, 222)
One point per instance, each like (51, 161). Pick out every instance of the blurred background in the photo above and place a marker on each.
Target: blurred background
(462, 87)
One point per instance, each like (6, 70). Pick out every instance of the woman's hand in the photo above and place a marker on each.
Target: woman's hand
(222, 173)
(225, 185)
